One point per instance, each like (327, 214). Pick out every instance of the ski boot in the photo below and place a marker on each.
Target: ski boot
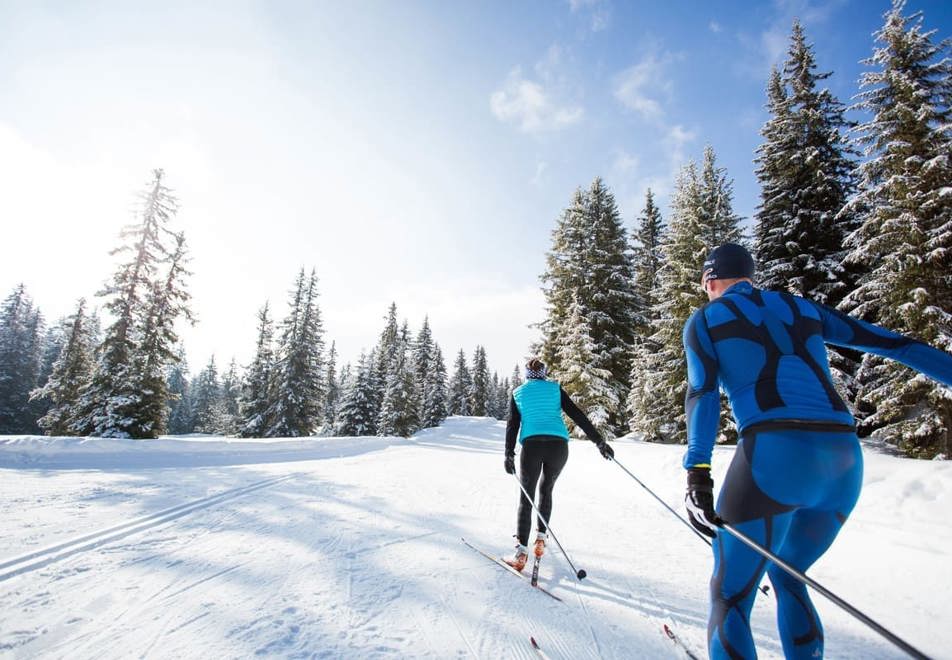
(539, 547)
(519, 560)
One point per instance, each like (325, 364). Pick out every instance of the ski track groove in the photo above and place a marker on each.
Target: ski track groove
(41, 558)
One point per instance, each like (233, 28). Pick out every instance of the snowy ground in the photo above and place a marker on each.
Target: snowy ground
(353, 551)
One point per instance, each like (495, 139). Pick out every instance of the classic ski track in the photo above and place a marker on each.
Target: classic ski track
(51, 554)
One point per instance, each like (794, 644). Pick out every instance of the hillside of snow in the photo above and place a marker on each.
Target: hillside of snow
(350, 548)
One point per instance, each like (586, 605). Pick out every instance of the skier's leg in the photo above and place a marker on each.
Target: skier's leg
(530, 465)
(737, 568)
(811, 533)
(557, 453)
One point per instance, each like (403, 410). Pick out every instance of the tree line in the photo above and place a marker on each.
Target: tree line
(854, 214)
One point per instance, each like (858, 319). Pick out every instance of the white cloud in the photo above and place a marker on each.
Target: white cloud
(598, 12)
(541, 104)
(715, 27)
(541, 167)
(639, 86)
(625, 162)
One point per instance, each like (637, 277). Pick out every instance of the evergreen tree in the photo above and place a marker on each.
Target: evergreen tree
(435, 404)
(480, 385)
(109, 403)
(332, 400)
(590, 261)
(177, 384)
(701, 219)
(21, 353)
(357, 416)
(299, 371)
(231, 400)
(422, 356)
(904, 242)
(460, 386)
(257, 392)
(397, 413)
(647, 257)
(167, 302)
(806, 169)
(588, 384)
(71, 371)
(207, 404)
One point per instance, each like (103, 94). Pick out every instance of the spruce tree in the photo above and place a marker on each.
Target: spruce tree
(587, 383)
(357, 416)
(180, 413)
(423, 348)
(207, 404)
(590, 261)
(480, 385)
(299, 371)
(231, 400)
(71, 371)
(647, 257)
(332, 400)
(397, 412)
(806, 170)
(460, 386)
(258, 389)
(109, 403)
(904, 242)
(167, 303)
(20, 325)
(435, 404)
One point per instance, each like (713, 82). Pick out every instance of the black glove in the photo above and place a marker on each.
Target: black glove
(699, 501)
(510, 463)
(605, 450)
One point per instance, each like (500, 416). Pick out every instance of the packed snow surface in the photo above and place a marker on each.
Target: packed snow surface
(350, 548)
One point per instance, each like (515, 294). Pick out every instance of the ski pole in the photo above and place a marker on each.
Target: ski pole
(763, 589)
(802, 577)
(580, 574)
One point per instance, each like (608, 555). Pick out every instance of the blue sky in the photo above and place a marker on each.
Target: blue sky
(416, 152)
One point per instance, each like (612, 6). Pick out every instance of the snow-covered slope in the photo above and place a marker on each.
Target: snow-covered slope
(350, 548)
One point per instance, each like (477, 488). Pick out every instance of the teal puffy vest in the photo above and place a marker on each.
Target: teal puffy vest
(540, 405)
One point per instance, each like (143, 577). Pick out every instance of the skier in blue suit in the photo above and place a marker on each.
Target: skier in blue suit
(798, 468)
(535, 418)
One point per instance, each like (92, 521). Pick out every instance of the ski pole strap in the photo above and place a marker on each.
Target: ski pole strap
(802, 577)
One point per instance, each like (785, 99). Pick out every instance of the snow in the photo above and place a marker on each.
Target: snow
(350, 548)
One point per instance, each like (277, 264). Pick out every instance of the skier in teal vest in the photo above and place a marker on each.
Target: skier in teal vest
(535, 418)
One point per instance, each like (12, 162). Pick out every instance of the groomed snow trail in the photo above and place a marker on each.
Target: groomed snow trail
(359, 556)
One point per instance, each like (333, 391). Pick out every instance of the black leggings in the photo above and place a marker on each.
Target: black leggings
(541, 455)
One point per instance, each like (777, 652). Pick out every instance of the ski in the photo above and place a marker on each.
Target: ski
(510, 569)
(537, 648)
(679, 642)
(535, 571)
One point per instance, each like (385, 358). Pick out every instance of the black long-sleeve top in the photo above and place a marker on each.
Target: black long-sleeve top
(568, 407)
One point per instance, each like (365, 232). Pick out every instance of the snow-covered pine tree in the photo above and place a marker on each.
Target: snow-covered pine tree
(51, 347)
(332, 400)
(588, 384)
(647, 257)
(701, 219)
(257, 395)
(180, 410)
(168, 301)
(422, 356)
(357, 416)
(108, 405)
(397, 413)
(71, 371)
(383, 358)
(231, 399)
(806, 169)
(207, 405)
(435, 404)
(460, 386)
(20, 324)
(590, 260)
(299, 370)
(516, 379)
(480, 385)
(904, 241)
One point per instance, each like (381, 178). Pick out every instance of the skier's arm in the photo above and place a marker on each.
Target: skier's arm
(843, 330)
(579, 418)
(702, 404)
(512, 427)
